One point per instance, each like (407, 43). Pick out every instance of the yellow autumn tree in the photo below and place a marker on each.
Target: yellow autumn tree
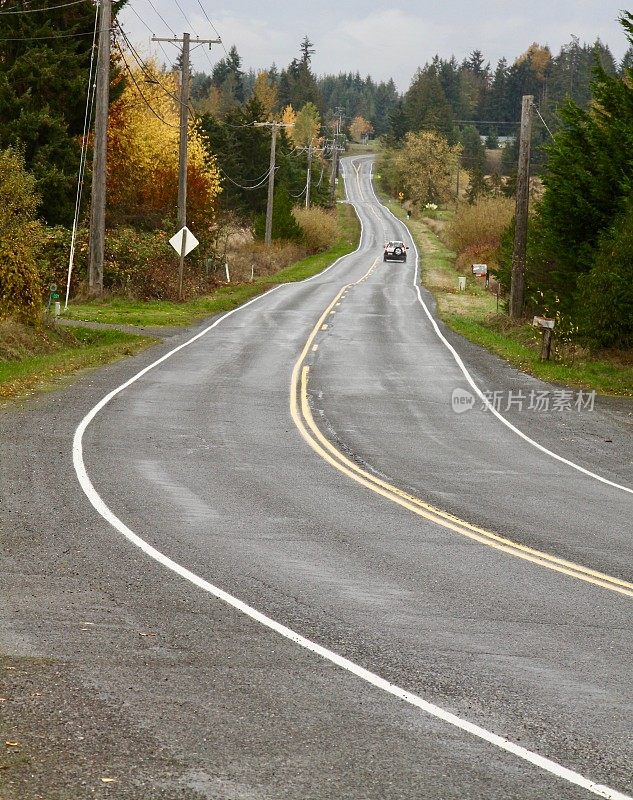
(266, 92)
(307, 125)
(289, 115)
(360, 127)
(143, 134)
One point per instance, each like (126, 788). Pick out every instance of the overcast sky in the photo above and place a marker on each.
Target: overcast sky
(382, 38)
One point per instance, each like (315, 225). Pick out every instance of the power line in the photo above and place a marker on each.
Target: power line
(157, 12)
(141, 20)
(48, 8)
(213, 26)
(143, 67)
(90, 97)
(42, 38)
(543, 121)
(187, 20)
(138, 88)
(247, 188)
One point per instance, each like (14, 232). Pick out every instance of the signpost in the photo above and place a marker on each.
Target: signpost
(183, 243)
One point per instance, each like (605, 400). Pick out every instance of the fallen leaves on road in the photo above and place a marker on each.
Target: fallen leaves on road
(147, 634)
(12, 744)
(108, 780)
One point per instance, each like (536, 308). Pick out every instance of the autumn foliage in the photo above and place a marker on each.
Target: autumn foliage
(143, 157)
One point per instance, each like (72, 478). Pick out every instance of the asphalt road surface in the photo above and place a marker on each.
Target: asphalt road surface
(279, 564)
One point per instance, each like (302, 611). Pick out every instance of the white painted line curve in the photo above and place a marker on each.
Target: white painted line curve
(545, 764)
(470, 379)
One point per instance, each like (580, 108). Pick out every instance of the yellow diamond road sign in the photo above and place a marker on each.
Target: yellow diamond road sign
(190, 241)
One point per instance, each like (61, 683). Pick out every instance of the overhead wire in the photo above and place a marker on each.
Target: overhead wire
(247, 188)
(90, 98)
(43, 38)
(142, 21)
(187, 20)
(47, 8)
(138, 88)
(143, 67)
(543, 121)
(160, 16)
(213, 26)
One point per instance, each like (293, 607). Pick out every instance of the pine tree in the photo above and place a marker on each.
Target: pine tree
(43, 88)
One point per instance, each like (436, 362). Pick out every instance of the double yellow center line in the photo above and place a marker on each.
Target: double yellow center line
(302, 417)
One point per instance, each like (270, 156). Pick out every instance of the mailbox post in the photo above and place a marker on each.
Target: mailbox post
(546, 326)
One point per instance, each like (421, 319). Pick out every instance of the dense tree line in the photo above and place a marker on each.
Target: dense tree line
(44, 60)
(580, 248)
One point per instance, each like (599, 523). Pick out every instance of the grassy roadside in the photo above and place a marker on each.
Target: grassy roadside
(226, 298)
(40, 359)
(473, 314)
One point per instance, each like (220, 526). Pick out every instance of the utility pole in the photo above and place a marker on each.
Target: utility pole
(98, 189)
(523, 197)
(185, 81)
(309, 176)
(271, 174)
(335, 151)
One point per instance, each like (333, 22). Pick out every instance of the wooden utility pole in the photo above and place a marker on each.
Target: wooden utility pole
(271, 186)
(522, 205)
(98, 189)
(309, 175)
(185, 80)
(271, 174)
(335, 152)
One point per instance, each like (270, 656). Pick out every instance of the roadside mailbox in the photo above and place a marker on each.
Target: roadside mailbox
(481, 271)
(546, 326)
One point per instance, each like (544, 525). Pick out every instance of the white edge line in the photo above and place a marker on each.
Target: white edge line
(469, 377)
(329, 655)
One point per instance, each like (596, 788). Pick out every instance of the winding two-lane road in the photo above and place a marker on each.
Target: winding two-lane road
(356, 592)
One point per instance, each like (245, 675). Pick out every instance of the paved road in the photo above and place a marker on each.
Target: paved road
(414, 549)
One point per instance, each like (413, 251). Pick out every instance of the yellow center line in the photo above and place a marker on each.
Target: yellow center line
(303, 419)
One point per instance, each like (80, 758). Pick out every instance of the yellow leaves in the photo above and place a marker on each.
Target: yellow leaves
(108, 780)
(266, 94)
(9, 743)
(143, 144)
(307, 124)
(360, 127)
(289, 115)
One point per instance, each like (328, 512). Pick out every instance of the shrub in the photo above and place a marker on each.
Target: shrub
(480, 226)
(320, 227)
(284, 225)
(20, 240)
(605, 294)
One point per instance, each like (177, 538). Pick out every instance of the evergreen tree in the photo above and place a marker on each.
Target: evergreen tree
(284, 225)
(590, 175)
(227, 75)
(426, 106)
(473, 153)
(44, 62)
(297, 84)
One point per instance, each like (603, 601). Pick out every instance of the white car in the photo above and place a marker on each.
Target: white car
(395, 251)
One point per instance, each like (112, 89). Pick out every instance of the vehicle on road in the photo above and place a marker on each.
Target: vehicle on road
(395, 251)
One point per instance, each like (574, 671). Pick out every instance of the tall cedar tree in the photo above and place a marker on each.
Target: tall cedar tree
(297, 84)
(590, 174)
(43, 86)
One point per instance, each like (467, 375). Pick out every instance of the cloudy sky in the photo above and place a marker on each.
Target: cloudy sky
(382, 38)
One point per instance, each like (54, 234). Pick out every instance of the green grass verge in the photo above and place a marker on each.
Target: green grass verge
(66, 354)
(474, 315)
(225, 298)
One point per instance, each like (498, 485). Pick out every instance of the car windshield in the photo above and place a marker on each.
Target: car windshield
(395, 244)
